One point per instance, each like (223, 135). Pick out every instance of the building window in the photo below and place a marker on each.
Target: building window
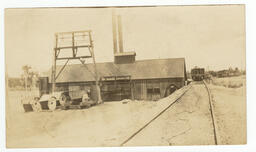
(156, 91)
(153, 93)
(149, 90)
(153, 90)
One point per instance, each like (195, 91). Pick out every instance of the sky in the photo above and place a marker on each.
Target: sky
(212, 37)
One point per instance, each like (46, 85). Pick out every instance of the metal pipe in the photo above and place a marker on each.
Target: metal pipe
(114, 31)
(120, 34)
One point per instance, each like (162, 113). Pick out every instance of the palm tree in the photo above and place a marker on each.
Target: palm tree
(26, 69)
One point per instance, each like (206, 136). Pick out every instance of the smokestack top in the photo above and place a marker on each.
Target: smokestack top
(131, 53)
(124, 57)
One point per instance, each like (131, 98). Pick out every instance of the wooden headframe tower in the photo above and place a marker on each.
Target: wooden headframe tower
(77, 43)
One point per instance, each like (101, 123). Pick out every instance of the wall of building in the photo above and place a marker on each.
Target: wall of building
(116, 90)
(152, 89)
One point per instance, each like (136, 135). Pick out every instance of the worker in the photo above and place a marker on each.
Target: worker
(89, 93)
(86, 96)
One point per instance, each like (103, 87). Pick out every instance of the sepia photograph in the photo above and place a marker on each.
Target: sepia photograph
(125, 76)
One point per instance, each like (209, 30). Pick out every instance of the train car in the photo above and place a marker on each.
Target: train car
(198, 74)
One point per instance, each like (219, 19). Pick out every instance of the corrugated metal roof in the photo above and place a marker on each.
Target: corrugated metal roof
(141, 69)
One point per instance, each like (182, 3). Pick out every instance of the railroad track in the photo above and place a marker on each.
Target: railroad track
(212, 113)
(170, 105)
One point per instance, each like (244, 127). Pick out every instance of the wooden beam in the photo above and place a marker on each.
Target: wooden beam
(71, 47)
(62, 68)
(61, 33)
(79, 57)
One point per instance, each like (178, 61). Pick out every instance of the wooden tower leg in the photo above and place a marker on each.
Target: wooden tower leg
(96, 71)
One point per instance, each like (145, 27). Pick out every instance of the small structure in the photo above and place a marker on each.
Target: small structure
(228, 73)
(222, 73)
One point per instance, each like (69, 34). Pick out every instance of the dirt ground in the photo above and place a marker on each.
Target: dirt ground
(108, 124)
(187, 122)
(230, 111)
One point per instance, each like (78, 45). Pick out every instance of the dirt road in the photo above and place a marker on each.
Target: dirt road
(108, 124)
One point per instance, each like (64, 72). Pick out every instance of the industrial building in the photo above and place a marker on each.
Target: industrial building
(125, 78)
(124, 81)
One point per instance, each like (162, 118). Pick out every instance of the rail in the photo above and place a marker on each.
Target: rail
(212, 113)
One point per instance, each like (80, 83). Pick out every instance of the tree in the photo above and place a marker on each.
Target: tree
(25, 75)
(230, 69)
(29, 78)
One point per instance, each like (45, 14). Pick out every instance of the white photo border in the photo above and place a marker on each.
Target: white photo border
(250, 70)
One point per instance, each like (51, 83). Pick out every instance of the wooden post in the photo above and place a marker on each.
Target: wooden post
(73, 44)
(132, 89)
(96, 71)
(54, 63)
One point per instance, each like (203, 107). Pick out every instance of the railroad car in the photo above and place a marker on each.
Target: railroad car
(198, 74)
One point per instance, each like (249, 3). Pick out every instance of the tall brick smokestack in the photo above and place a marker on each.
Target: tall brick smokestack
(120, 34)
(114, 31)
